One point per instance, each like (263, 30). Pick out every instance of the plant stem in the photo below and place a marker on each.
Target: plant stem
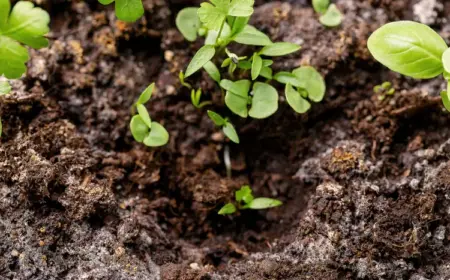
(220, 31)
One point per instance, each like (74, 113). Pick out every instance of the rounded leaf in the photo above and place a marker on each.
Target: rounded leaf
(237, 104)
(227, 209)
(263, 203)
(244, 194)
(409, 48)
(229, 130)
(321, 6)
(253, 37)
(5, 87)
(446, 60)
(188, 23)
(204, 54)
(158, 136)
(287, 78)
(296, 101)
(138, 128)
(333, 17)
(311, 81)
(264, 101)
(129, 10)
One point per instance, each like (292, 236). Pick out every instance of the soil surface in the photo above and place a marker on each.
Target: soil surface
(365, 182)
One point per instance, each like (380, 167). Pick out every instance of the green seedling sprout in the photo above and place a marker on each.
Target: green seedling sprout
(383, 90)
(126, 10)
(330, 15)
(143, 129)
(227, 127)
(245, 200)
(196, 95)
(223, 22)
(414, 50)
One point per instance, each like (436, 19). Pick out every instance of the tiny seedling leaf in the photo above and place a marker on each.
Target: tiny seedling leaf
(238, 25)
(127, 10)
(216, 118)
(227, 209)
(245, 65)
(321, 6)
(287, 78)
(240, 87)
(256, 66)
(333, 17)
(143, 113)
(5, 88)
(146, 94)
(212, 71)
(188, 23)
(264, 101)
(253, 37)
(296, 101)
(204, 54)
(138, 128)
(266, 72)
(182, 81)
(237, 103)
(213, 16)
(241, 8)
(244, 194)
(280, 49)
(311, 81)
(267, 62)
(263, 203)
(229, 130)
(157, 137)
(409, 48)
(211, 38)
(446, 60)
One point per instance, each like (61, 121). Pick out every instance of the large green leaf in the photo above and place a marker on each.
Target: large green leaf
(311, 81)
(203, 56)
(127, 10)
(13, 57)
(264, 101)
(252, 36)
(213, 16)
(188, 23)
(446, 60)
(157, 137)
(409, 48)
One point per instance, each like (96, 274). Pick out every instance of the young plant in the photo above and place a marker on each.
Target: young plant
(227, 127)
(126, 10)
(245, 200)
(414, 50)
(143, 129)
(383, 90)
(330, 15)
(248, 92)
(195, 99)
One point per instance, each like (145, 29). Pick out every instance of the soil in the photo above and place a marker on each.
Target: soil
(365, 182)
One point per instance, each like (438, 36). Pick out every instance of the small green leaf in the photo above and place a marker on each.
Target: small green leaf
(138, 128)
(311, 81)
(237, 103)
(143, 113)
(332, 17)
(264, 101)
(238, 25)
(263, 203)
(229, 208)
(127, 10)
(204, 54)
(256, 66)
(146, 94)
(211, 38)
(241, 8)
(287, 78)
(245, 65)
(445, 98)
(216, 118)
(244, 194)
(182, 81)
(188, 23)
(296, 101)
(321, 6)
(213, 16)
(446, 60)
(212, 71)
(240, 87)
(230, 132)
(266, 72)
(280, 49)
(226, 62)
(267, 62)
(409, 48)
(5, 88)
(253, 37)
(157, 137)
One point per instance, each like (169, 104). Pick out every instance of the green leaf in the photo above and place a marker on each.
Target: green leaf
(446, 98)
(230, 132)
(296, 101)
(188, 23)
(280, 49)
(256, 66)
(266, 72)
(287, 78)
(263, 203)
(238, 104)
(446, 60)
(211, 38)
(212, 71)
(229, 208)
(204, 54)
(409, 48)
(138, 128)
(332, 17)
(213, 16)
(226, 62)
(13, 57)
(216, 118)
(240, 87)
(244, 194)
(143, 113)
(245, 65)
(146, 94)
(253, 37)
(127, 10)
(182, 81)
(5, 88)
(239, 24)
(157, 137)
(5, 7)
(267, 62)
(241, 8)
(264, 101)
(311, 81)
(321, 6)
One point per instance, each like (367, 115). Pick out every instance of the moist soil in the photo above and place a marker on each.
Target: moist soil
(364, 180)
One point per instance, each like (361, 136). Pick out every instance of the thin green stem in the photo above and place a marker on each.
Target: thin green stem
(220, 32)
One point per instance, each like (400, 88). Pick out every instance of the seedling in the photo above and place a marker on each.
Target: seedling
(384, 90)
(126, 10)
(245, 200)
(227, 127)
(224, 22)
(143, 129)
(330, 15)
(195, 99)
(414, 50)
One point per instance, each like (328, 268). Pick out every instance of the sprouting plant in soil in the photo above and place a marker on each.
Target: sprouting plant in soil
(126, 10)
(143, 129)
(414, 50)
(245, 200)
(384, 90)
(245, 80)
(227, 127)
(196, 96)
(330, 15)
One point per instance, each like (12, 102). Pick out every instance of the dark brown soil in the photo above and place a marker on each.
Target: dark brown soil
(365, 183)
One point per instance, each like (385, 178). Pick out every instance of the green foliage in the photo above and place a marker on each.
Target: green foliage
(256, 66)
(245, 200)
(212, 71)
(126, 10)
(195, 99)
(26, 25)
(227, 127)
(143, 129)
(200, 59)
(321, 6)
(280, 49)
(384, 90)
(330, 15)
(181, 77)
(253, 37)
(295, 99)
(188, 23)
(213, 15)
